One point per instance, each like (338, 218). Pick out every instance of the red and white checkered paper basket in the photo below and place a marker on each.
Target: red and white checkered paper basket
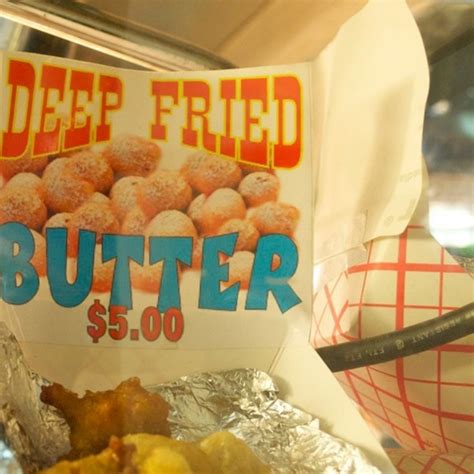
(425, 401)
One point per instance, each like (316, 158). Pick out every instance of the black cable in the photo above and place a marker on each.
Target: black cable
(411, 340)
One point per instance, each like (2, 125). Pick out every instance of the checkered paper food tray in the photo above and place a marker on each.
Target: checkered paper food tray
(425, 401)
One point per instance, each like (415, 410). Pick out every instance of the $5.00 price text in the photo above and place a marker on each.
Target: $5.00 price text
(152, 324)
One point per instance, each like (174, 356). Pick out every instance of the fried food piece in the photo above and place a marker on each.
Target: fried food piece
(162, 191)
(206, 173)
(240, 268)
(147, 277)
(131, 155)
(28, 181)
(124, 195)
(60, 220)
(258, 188)
(98, 218)
(219, 207)
(22, 206)
(9, 168)
(231, 455)
(195, 211)
(275, 218)
(171, 224)
(65, 191)
(100, 198)
(248, 233)
(92, 167)
(219, 453)
(135, 222)
(97, 416)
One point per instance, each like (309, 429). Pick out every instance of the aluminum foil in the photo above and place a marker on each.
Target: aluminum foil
(243, 401)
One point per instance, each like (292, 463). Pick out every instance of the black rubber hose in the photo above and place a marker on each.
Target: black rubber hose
(411, 340)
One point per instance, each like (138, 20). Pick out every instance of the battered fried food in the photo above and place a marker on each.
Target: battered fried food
(97, 416)
(219, 453)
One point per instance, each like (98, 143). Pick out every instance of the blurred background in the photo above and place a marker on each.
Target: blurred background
(197, 34)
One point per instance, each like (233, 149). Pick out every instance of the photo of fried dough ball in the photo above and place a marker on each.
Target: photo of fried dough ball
(147, 277)
(171, 224)
(92, 167)
(134, 222)
(258, 188)
(124, 195)
(97, 416)
(39, 258)
(23, 207)
(275, 218)
(248, 233)
(11, 167)
(60, 220)
(220, 206)
(206, 173)
(64, 191)
(130, 155)
(142, 453)
(27, 181)
(100, 198)
(164, 190)
(240, 268)
(195, 211)
(98, 218)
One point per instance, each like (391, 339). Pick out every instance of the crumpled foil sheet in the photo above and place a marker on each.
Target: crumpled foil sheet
(243, 401)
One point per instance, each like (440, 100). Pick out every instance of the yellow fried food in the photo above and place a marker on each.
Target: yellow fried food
(97, 416)
(219, 453)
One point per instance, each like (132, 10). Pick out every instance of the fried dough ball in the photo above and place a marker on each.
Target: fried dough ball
(65, 192)
(124, 194)
(195, 211)
(25, 164)
(24, 207)
(164, 190)
(60, 220)
(275, 218)
(171, 224)
(39, 258)
(135, 222)
(248, 233)
(97, 416)
(231, 455)
(100, 198)
(258, 188)
(98, 218)
(220, 206)
(240, 268)
(206, 173)
(147, 277)
(28, 181)
(92, 167)
(131, 155)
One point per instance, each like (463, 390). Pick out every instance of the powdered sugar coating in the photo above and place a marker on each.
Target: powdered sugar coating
(222, 205)
(98, 218)
(11, 167)
(24, 207)
(248, 233)
(135, 222)
(100, 198)
(64, 191)
(258, 188)
(92, 167)
(240, 268)
(195, 211)
(27, 181)
(206, 173)
(171, 224)
(131, 155)
(275, 218)
(124, 194)
(164, 190)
